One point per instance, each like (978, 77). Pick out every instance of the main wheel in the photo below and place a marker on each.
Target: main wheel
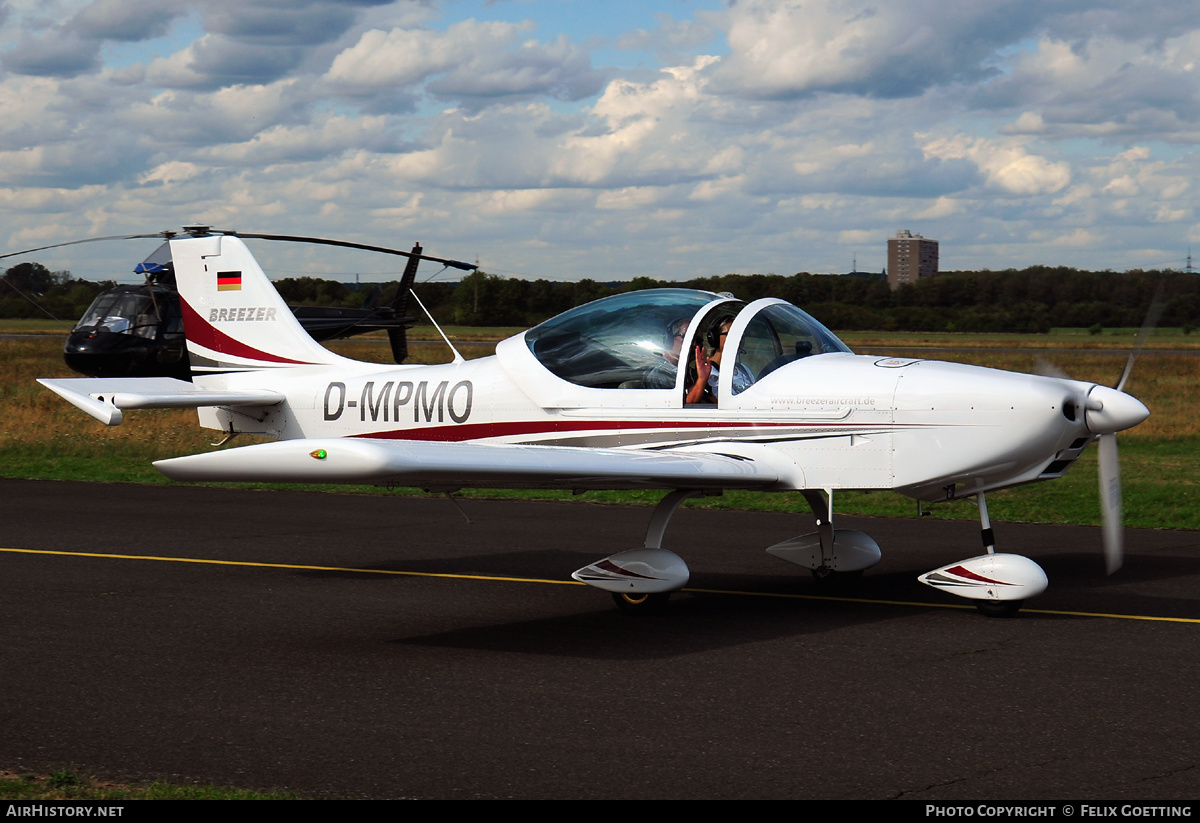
(999, 608)
(636, 603)
(836, 582)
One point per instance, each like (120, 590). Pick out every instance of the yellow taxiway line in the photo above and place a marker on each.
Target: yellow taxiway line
(499, 578)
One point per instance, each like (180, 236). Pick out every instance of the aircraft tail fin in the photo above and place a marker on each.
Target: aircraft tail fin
(233, 317)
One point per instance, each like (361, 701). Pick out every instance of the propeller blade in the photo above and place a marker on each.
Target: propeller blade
(1045, 368)
(161, 234)
(1110, 503)
(1157, 304)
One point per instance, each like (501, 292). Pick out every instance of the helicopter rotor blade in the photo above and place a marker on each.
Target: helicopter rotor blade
(321, 241)
(165, 235)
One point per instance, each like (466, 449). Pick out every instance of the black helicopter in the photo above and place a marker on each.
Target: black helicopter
(137, 331)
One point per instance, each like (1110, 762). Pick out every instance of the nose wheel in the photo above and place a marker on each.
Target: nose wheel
(641, 603)
(1000, 608)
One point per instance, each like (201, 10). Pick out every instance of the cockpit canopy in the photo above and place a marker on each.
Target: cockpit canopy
(778, 334)
(637, 340)
(619, 340)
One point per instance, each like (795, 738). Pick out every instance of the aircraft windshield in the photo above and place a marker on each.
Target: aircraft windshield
(779, 334)
(122, 313)
(628, 341)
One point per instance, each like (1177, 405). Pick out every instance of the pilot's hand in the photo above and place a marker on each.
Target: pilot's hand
(703, 365)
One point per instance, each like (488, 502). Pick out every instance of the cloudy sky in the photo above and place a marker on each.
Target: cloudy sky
(607, 139)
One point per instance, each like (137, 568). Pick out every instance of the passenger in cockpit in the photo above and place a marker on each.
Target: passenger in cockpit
(662, 376)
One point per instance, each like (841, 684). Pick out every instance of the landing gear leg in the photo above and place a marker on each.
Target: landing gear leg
(998, 584)
(992, 608)
(641, 580)
(824, 576)
(640, 602)
(836, 558)
(664, 512)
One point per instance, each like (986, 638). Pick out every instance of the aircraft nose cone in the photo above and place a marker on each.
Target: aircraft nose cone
(1110, 411)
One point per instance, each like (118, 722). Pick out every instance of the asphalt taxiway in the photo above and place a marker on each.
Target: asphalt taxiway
(360, 646)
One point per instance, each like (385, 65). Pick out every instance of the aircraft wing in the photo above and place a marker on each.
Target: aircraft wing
(104, 397)
(439, 465)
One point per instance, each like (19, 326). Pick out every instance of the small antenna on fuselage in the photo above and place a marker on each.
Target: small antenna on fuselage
(458, 358)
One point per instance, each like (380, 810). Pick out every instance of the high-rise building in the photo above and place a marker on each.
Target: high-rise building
(910, 257)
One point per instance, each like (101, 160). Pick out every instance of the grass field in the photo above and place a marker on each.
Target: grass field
(44, 437)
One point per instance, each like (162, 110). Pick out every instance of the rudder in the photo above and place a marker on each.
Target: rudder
(233, 317)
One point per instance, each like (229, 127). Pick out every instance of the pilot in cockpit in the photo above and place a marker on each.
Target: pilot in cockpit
(707, 366)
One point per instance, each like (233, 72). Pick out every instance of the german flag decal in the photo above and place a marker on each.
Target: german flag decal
(229, 281)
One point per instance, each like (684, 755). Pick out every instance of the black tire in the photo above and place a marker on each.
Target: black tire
(837, 582)
(999, 608)
(634, 603)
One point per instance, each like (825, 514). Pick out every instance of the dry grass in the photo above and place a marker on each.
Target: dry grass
(31, 414)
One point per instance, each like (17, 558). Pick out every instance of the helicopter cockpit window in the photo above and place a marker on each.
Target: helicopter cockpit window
(120, 312)
(780, 334)
(628, 341)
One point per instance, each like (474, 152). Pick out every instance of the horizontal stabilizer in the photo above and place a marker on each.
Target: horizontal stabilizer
(457, 465)
(104, 397)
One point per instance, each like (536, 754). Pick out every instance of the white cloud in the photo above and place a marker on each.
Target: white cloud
(644, 134)
(791, 48)
(942, 207)
(1104, 86)
(1016, 132)
(327, 136)
(1079, 237)
(630, 198)
(1006, 164)
(170, 173)
(1123, 186)
(482, 61)
(404, 56)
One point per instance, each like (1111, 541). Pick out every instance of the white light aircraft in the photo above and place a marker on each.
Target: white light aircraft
(594, 399)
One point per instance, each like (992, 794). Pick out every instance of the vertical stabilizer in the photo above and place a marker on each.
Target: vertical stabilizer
(233, 317)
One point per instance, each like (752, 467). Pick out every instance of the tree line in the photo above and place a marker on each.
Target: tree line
(1031, 300)
(1034, 299)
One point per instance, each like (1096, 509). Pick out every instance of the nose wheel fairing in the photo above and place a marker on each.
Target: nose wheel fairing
(992, 577)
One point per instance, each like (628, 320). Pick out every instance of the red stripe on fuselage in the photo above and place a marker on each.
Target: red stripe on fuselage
(201, 332)
(480, 431)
